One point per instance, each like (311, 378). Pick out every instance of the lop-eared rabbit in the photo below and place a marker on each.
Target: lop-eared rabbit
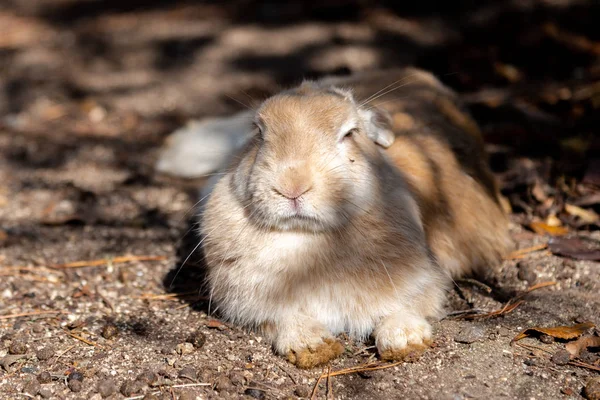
(346, 205)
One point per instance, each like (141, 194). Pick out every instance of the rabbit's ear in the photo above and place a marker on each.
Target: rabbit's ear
(378, 124)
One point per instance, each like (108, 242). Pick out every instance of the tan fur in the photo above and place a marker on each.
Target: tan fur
(312, 232)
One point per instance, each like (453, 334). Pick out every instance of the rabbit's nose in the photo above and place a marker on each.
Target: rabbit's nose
(293, 183)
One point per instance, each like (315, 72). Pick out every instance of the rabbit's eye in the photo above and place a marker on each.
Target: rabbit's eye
(349, 134)
(258, 130)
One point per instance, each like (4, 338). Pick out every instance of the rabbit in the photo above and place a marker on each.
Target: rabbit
(340, 215)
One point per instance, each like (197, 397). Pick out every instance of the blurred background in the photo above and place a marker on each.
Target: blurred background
(90, 89)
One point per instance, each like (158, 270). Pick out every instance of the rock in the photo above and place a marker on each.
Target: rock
(302, 391)
(256, 393)
(109, 330)
(470, 334)
(546, 339)
(561, 357)
(592, 389)
(188, 373)
(75, 376)
(75, 385)
(44, 377)
(106, 387)
(9, 360)
(44, 354)
(37, 328)
(526, 273)
(147, 377)
(237, 378)
(223, 383)
(32, 388)
(184, 348)
(17, 347)
(46, 393)
(130, 388)
(197, 339)
(187, 396)
(29, 370)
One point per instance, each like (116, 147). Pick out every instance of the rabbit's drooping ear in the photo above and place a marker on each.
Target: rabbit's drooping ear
(378, 124)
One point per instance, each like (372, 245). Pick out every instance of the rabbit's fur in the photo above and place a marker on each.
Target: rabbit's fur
(317, 229)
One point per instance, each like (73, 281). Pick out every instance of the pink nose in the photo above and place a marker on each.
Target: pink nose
(292, 192)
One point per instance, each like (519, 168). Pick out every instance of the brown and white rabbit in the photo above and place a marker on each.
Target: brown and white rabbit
(343, 216)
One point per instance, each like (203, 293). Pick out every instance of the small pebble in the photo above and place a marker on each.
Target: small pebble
(530, 361)
(188, 373)
(75, 385)
(37, 328)
(561, 357)
(147, 377)
(256, 393)
(187, 396)
(470, 334)
(546, 338)
(592, 389)
(302, 391)
(106, 387)
(184, 348)
(32, 388)
(75, 376)
(223, 383)
(130, 388)
(46, 393)
(109, 330)
(237, 378)
(17, 347)
(197, 339)
(44, 354)
(526, 273)
(29, 370)
(44, 377)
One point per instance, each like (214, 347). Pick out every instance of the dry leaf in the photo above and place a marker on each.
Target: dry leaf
(575, 348)
(558, 332)
(542, 228)
(578, 248)
(553, 221)
(586, 216)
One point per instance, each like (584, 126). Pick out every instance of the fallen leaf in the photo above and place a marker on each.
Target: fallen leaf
(542, 228)
(577, 248)
(558, 332)
(586, 216)
(553, 221)
(575, 348)
(216, 324)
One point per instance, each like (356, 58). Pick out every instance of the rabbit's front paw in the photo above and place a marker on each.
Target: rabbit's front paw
(402, 336)
(312, 356)
(304, 341)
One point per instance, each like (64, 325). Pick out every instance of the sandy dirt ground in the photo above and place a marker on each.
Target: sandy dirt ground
(90, 89)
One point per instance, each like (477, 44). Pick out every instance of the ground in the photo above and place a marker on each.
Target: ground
(88, 92)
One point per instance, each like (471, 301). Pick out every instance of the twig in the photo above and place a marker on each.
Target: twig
(27, 314)
(316, 387)
(520, 253)
(105, 300)
(105, 261)
(329, 384)
(584, 365)
(509, 307)
(82, 339)
(475, 282)
(531, 346)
